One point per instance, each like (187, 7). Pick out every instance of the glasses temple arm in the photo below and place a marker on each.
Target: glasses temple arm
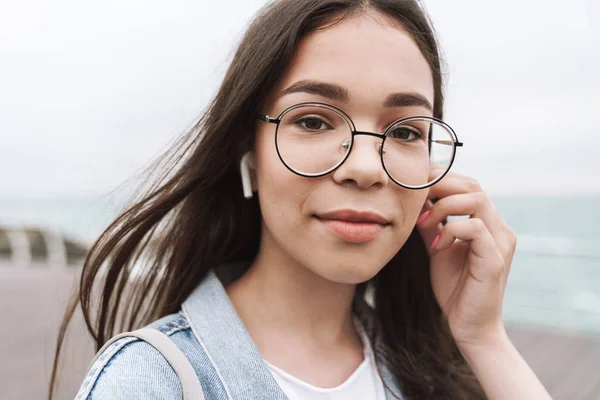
(266, 118)
(449, 142)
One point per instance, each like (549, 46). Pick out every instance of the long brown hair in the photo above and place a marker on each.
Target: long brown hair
(196, 217)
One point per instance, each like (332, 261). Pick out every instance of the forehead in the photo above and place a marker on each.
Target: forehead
(368, 55)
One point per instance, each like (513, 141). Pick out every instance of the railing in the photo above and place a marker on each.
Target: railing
(23, 247)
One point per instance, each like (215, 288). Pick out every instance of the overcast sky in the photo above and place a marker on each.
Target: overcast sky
(91, 91)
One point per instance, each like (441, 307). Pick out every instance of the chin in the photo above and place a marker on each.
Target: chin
(342, 263)
(348, 272)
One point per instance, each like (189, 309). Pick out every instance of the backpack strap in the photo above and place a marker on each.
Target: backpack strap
(190, 384)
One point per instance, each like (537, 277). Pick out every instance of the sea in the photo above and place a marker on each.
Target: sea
(554, 280)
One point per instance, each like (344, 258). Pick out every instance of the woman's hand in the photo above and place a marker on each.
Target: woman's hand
(468, 275)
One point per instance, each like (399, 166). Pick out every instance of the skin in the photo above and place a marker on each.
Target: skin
(295, 300)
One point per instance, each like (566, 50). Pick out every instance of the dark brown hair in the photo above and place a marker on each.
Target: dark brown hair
(196, 218)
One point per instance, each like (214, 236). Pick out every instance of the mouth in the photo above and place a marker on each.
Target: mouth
(354, 226)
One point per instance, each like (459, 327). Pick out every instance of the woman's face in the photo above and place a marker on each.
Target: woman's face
(370, 59)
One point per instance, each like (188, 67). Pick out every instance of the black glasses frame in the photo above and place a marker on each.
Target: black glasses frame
(455, 143)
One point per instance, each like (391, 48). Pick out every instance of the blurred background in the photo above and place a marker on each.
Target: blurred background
(92, 92)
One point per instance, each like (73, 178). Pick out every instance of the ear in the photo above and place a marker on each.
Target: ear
(247, 170)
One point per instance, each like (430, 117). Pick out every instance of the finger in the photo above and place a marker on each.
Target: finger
(481, 245)
(429, 232)
(483, 208)
(475, 205)
(452, 184)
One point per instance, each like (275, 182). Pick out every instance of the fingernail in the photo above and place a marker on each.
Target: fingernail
(423, 216)
(435, 241)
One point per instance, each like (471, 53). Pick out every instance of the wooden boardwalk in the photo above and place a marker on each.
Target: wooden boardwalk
(32, 301)
(568, 364)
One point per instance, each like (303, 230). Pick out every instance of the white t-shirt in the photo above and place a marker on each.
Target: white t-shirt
(364, 383)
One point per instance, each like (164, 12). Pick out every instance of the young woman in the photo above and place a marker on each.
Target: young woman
(300, 243)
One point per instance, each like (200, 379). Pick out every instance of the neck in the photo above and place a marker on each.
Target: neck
(279, 297)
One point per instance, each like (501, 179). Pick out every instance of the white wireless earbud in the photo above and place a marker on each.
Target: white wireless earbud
(245, 165)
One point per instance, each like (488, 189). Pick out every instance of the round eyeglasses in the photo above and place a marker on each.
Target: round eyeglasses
(314, 139)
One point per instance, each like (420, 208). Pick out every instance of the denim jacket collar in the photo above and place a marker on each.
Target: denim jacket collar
(224, 338)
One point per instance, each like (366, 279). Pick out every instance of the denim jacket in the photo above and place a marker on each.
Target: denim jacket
(212, 336)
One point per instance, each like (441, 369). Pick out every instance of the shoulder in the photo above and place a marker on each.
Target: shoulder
(132, 368)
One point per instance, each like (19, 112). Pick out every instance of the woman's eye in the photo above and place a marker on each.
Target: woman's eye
(405, 133)
(313, 124)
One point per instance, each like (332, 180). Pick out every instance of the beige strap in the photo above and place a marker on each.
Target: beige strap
(190, 384)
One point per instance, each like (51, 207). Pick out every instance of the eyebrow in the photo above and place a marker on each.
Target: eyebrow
(339, 93)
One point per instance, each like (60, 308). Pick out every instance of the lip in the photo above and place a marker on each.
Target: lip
(354, 226)
(355, 216)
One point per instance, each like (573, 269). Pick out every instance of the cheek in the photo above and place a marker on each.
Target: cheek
(412, 202)
(281, 192)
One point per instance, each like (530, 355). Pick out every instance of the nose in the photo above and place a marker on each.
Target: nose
(363, 166)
